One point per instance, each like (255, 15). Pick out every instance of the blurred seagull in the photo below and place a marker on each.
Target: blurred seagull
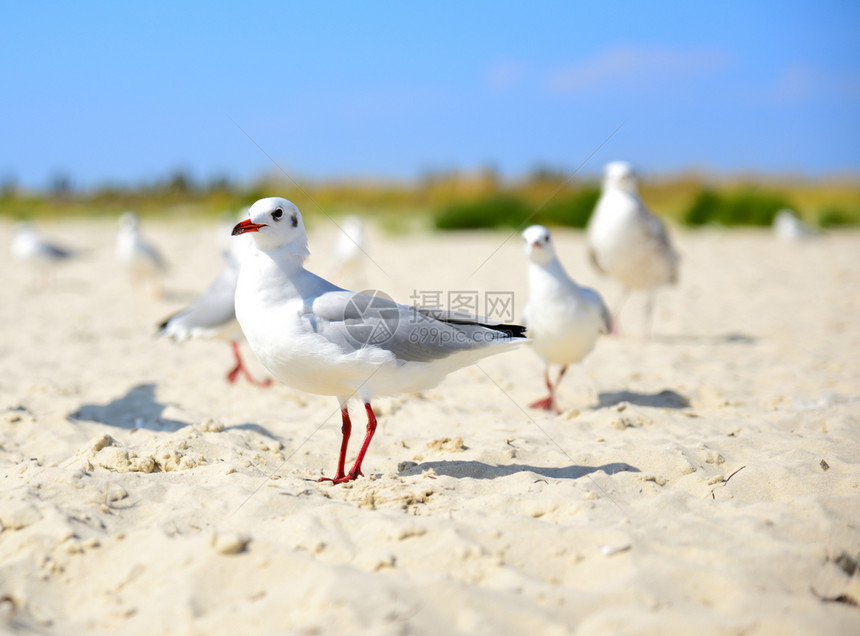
(320, 338)
(213, 315)
(562, 318)
(789, 228)
(349, 251)
(31, 248)
(629, 242)
(349, 248)
(142, 260)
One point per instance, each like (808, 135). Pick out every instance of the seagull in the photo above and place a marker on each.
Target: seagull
(322, 339)
(348, 253)
(629, 242)
(213, 315)
(30, 247)
(789, 228)
(141, 258)
(563, 319)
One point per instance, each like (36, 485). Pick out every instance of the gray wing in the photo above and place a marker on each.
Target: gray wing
(154, 254)
(51, 250)
(413, 334)
(657, 233)
(214, 309)
(56, 252)
(592, 256)
(656, 229)
(596, 302)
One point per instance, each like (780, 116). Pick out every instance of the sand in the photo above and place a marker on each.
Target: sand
(704, 481)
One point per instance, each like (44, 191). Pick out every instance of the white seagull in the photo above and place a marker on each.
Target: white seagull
(142, 260)
(213, 315)
(30, 247)
(789, 228)
(349, 251)
(320, 338)
(563, 319)
(629, 242)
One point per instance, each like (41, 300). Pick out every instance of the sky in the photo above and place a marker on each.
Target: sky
(125, 93)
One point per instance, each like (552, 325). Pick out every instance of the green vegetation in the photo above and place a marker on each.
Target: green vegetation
(744, 207)
(835, 217)
(451, 201)
(496, 210)
(505, 209)
(572, 210)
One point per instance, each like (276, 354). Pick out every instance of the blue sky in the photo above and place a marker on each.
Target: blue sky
(129, 92)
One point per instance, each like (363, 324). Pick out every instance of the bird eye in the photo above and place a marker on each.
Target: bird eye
(277, 214)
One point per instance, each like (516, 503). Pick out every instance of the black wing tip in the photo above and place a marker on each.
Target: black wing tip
(511, 331)
(163, 324)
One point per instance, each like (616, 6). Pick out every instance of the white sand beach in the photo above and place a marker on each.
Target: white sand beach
(704, 481)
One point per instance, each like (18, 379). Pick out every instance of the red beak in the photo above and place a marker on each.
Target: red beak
(246, 226)
(535, 245)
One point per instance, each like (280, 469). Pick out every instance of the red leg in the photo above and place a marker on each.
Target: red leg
(543, 403)
(231, 376)
(355, 471)
(547, 403)
(345, 429)
(240, 367)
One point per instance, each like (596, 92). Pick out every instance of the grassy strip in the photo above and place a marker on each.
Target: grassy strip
(455, 202)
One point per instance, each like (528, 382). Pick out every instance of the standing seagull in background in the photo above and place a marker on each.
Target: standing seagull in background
(142, 260)
(30, 247)
(628, 241)
(349, 251)
(789, 228)
(213, 315)
(319, 338)
(562, 318)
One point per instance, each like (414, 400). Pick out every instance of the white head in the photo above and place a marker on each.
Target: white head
(128, 221)
(537, 244)
(353, 227)
(785, 216)
(621, 176)
(276, 223)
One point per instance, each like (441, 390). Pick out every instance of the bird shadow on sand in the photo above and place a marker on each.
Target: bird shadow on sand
(479, 470)
(138, 408)
(666, 399)
(720, 339)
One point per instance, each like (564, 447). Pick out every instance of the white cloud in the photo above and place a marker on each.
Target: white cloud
(636, 64)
